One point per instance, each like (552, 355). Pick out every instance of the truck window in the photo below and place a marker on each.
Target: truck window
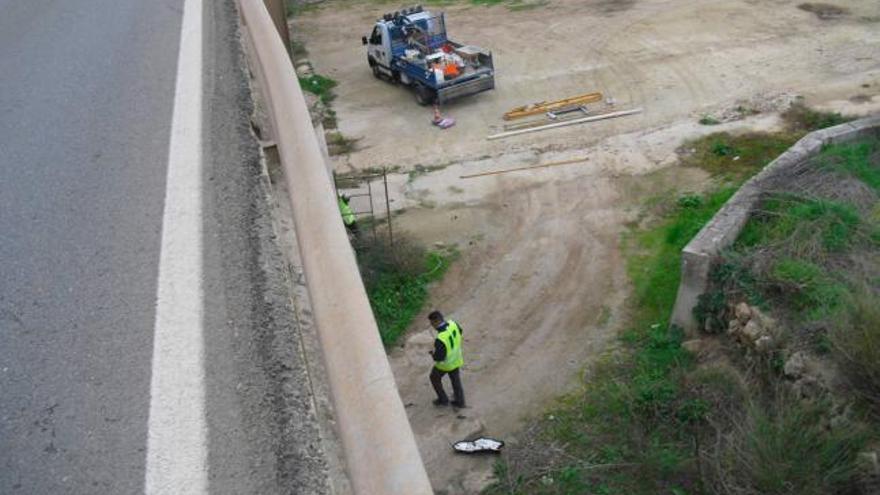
(376, 37)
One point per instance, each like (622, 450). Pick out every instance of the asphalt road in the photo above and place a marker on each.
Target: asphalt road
(86, 99)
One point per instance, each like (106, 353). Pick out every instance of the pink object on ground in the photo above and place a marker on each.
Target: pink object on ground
(444, 122)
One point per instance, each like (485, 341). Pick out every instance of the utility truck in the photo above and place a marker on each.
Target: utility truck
(410, 47)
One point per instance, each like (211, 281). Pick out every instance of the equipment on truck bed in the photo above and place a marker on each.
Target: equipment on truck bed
(411, 47)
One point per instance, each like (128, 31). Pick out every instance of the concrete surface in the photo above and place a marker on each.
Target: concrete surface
(722, 230)
(85, 107)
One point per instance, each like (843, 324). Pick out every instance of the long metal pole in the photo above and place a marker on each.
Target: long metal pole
(563, 124)
(388, 207)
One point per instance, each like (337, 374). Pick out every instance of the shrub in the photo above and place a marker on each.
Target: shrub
(799, 117)
(396, 280)
(320, 86)
(711, 311)
(807, 288)
(784, 448)
(804, 228)
(855, 160)
(736, 156)
(856, 344)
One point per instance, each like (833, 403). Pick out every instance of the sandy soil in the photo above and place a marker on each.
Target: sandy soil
(539, 291)
(541, 283)
(677, 59)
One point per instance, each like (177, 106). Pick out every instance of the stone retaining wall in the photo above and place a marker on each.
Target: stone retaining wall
(703, 250)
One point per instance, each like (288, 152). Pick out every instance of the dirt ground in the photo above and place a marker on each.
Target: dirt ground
(540, 285)
(676, 59)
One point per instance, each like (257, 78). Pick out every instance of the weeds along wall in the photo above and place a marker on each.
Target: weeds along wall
(720, 232)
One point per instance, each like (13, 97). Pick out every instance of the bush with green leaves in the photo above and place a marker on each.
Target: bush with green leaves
(783, 446)
(396, 277)
(856, 343)
(320, 86)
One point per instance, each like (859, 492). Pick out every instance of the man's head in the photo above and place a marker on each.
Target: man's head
(436, 319)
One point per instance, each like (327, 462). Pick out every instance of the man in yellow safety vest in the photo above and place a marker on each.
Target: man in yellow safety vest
(347, 213)
(447, 359)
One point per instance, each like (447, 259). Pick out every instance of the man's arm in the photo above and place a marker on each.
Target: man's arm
(439, 351)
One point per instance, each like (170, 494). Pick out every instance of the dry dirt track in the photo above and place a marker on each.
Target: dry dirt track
(538, 293)
(541, 284)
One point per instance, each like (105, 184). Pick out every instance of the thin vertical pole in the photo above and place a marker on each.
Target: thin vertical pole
(387, 207)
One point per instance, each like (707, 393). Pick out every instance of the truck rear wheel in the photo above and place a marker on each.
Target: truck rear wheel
(425, 95)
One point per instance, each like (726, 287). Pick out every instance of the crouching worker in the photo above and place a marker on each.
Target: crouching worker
(447, 359)
(348, 217)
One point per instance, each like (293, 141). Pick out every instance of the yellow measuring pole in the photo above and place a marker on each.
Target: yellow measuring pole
(545, 106)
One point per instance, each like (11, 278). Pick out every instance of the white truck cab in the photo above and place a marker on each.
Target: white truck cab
(410, 47)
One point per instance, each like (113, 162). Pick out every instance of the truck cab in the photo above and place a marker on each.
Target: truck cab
(410, 47)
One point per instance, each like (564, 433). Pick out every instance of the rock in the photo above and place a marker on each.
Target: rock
(765, 322)
(764, 344)
(796, 365)
(734, 327)
(869, 463)
(841, 417)
(694, 346)
(743, 313)
(808, 387)
(751, 332)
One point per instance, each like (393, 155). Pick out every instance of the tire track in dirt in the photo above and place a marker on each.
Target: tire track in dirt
(531, 318)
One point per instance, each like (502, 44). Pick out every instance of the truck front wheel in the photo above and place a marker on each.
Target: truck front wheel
(376, 72)
(424, 95)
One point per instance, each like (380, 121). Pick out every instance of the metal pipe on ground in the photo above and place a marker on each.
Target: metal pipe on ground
(380, 449)
(563, 124)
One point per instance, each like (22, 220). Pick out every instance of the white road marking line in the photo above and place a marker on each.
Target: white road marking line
(177, 431)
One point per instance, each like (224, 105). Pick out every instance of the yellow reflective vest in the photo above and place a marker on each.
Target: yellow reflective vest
(451, 338)
(345, 210)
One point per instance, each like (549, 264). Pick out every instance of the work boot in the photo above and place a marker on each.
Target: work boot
(441, 403)
(458, 404)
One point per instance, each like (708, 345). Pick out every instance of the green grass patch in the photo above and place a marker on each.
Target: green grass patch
(397, 279)
(803, 119)
(783, 446)
(736, 156)
(655, 263)
(709, 120)
(811, 228)
(807, 288)
(858, 160)
(320, 86)
(856, 344)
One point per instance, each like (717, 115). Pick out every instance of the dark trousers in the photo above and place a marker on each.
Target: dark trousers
(457, 391)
